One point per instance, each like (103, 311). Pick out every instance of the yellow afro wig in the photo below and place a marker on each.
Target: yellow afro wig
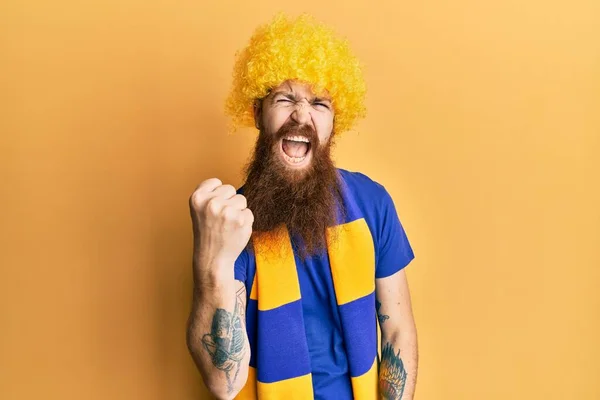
(297, 49)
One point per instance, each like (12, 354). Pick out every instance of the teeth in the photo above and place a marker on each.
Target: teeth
(293, 160)
(297, 139)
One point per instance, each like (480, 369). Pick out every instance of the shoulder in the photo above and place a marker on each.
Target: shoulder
(369, 199)
(363, 187)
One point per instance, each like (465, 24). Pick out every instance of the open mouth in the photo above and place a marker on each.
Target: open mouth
(295, 149)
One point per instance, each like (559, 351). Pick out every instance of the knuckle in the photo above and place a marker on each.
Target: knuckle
(241, 221)
(209, 184)
(228, 190)
(196, 199)
(249, 216)
(242, 200)
(213, 206)
(228, 213)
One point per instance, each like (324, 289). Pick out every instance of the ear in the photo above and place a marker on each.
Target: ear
(258, 113)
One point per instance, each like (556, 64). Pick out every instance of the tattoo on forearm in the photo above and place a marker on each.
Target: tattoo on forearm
(392, 375)
(226, 340)
(382, 317)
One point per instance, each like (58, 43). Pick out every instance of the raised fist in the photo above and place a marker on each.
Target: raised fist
(222, 224)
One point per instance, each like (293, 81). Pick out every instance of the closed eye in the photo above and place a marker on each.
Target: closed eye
(322, 105)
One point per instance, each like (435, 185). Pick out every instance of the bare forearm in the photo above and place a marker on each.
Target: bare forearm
(217, 337)
(398, 369)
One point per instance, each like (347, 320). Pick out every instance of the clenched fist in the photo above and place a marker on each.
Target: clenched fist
(222, 225)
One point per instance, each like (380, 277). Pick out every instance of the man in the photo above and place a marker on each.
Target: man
(293, 271)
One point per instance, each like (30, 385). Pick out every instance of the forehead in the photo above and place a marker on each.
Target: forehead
(301, 89)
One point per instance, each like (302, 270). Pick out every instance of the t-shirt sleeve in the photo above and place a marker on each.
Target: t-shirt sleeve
(394, 250)
(240, 266)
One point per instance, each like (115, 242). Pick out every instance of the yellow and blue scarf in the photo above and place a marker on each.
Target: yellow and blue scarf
(280, 363)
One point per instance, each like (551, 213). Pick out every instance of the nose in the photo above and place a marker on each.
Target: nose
(301, 113)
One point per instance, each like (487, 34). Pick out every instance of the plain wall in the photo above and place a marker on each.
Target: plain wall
(483, 124)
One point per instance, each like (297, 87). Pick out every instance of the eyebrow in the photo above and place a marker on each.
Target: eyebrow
(288, 95)
(292, 96)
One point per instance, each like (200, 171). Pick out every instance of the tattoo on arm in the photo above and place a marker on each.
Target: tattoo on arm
(226, 340)
(392, 375)
(382, 317)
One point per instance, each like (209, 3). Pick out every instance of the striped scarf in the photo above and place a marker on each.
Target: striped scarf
(280, 364)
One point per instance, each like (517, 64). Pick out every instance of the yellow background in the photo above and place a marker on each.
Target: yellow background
(484, 124)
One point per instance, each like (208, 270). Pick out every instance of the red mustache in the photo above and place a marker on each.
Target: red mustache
(291, 128)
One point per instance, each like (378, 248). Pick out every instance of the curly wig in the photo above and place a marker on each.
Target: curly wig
(299, 49)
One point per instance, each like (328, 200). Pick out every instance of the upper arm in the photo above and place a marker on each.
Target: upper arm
(394, 252)
(394, 308)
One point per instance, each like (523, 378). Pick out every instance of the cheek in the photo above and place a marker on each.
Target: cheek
(275, 119)
(324, 126)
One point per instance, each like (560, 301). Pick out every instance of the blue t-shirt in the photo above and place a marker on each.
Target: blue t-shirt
(329, 363)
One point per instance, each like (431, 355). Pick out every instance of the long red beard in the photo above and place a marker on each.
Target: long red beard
(305, 201)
